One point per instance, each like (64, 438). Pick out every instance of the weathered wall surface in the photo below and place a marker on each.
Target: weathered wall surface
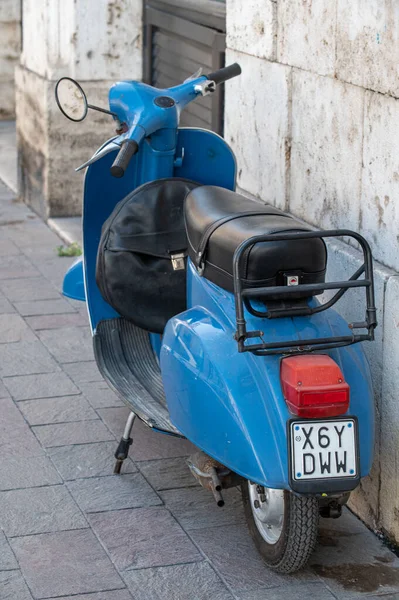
(10, 49)
(314, 122)
(94, 41)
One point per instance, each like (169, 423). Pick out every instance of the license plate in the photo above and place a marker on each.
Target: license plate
(323, 449)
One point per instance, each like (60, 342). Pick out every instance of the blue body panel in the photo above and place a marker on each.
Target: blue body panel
(231, 405)
(73, 285)
(102, 191)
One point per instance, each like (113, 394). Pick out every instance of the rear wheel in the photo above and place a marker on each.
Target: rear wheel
(283, 526)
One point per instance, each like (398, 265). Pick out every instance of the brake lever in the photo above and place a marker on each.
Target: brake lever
(106, 148)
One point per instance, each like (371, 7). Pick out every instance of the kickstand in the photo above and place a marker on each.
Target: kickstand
(122, 450)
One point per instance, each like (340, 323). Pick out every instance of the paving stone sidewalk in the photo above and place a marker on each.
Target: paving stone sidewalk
(71, 529)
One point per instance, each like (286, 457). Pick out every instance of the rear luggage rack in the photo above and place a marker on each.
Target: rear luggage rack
(243, 298)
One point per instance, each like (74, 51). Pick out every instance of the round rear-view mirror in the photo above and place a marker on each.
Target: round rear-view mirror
(71, 99)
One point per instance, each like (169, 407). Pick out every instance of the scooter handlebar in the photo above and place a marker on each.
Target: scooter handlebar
(128, 149)
(225, 74)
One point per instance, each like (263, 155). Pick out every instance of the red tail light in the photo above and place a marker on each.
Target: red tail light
(314, 386)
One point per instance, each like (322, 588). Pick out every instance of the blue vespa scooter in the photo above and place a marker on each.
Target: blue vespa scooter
(265, 379)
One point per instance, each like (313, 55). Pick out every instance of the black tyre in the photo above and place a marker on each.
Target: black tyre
(283, 526)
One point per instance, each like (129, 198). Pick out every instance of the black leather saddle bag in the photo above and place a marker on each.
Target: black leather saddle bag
(141, 256)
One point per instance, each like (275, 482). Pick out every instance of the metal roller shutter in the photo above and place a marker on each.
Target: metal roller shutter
(178, 41)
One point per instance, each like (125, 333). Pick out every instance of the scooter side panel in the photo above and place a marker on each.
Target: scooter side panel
(229, 404)
(214, 399)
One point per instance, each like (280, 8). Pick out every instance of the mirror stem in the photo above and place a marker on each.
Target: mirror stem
(103, 110)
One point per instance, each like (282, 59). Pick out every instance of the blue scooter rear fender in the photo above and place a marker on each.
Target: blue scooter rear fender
(215, 400)
(231, 405)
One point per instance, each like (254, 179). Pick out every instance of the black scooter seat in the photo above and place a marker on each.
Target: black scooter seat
(219, 220)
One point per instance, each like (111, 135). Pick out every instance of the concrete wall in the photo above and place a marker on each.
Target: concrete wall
(314, 121)
(10, 49)
(94, 41)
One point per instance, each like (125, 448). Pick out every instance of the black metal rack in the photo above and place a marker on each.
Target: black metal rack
(243, 299)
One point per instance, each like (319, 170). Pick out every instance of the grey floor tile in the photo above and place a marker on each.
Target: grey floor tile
(71, 563)
(65, 434)
(57, 410)
(40, 254)
(44, 308)
(7, 558)
(13, 586)
(100, 395)
(382, 597)
(347, 581)
(143, 537)
(347, 524)
(88, 460)
(16, 439)
(14, 329)
(6, 306)
(83, 372)
(56, 321)
(33, 233)
(70, 345)
(355, 565)
(113, 493)
(150, 445)
(168, 473)
(16, 267)
(27, 472)
(19, 442)
(334, 546)
(4, 393)
(300, 591)
(45, 385)
(111, 595)
(77, 304)
(25, 358)
(115, 419)
(10, 417)
(195, 581)
(7, 196)
(147, 444)
(8, 248)
(233, 554)
(196, 508)
(28, 289)
(11, 207)
(39, 510)
(51, 270)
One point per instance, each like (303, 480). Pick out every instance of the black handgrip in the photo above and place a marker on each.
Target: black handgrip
(223, 75)
(122, 160)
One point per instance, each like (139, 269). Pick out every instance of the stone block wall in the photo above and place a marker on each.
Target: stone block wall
(314, 122)
(10, 49)
(95, 42)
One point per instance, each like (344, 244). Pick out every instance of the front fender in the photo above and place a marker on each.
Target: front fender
(73, 285)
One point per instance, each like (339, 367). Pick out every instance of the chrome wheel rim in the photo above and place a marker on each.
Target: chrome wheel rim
(268, 511)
